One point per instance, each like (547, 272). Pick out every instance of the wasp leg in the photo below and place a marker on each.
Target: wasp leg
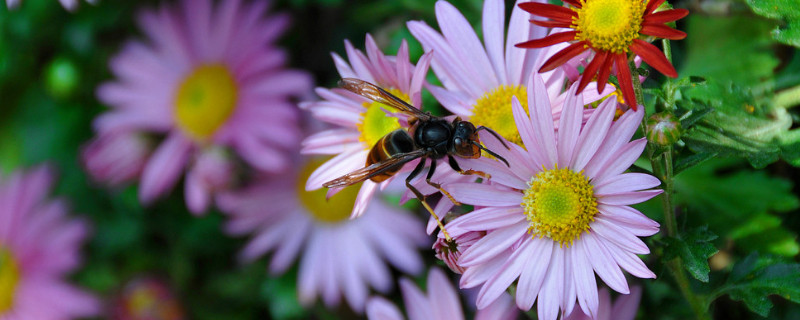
(439, 186)
(422, 197)
(454, 165)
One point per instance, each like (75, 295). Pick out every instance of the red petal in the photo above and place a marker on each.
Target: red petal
(548, 11)
(551, 23)
(662, 31)
(574, 3)
(548, 40)
(605, 71)
(654, 57)
(665, 16)
(563, 56)
(624, 78)
(591, 69)
(652, 5)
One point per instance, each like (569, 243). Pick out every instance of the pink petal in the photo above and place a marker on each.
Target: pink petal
(629, 198)
(626, 182)
(621, 237)
(531, 278)
(569, 127)
(380, 308)
(603, 264)
(493, 35)
(417, 306)
(164, 167)
(490, 218)
(593, 134)
(584, 279)
(630, 218)
(510, 271)
(621, 160)
(552, 289)
(498, 171)
(446, 64)
(443, 297)
(460, 35)
(336, 167)
(542, 120)
(492, 244)
(630, 262)
(619, 134)
(484, 195)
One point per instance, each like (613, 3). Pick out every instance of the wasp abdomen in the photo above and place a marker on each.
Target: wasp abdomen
(393, 143)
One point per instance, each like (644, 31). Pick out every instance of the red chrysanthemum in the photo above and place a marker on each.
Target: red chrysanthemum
(612, 29)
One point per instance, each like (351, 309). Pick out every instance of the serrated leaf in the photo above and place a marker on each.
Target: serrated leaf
(786, 10)
(755, 278)
(694, 248)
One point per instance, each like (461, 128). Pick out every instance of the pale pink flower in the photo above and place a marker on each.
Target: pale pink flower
(39, 247)
(479, 79)
(441, 302)
(359, 122)
(561, 212)
(116, 158)
(207, 77)
(70, 5)
(340, 256)
(624, 308)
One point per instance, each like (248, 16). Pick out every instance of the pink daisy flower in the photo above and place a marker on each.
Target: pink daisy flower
(208, 80)
(479, 79)
(39, 246)
(441, 302)
(339, 256)
(70, 5)
(561, 212)
(360, 122)
(624, 308)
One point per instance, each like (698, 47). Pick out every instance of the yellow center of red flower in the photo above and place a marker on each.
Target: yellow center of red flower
(559, 204)
(376, 123)
(609, 25)
(333, 210)
(493, 110)
(205, 100)
(9, 277)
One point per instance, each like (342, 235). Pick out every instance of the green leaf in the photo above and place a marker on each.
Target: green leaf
(739, 205)
(788, 11)
(694, 248)
(755, 278)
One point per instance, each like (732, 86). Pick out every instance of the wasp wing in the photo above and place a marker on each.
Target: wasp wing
(377, 94)
(374, 169)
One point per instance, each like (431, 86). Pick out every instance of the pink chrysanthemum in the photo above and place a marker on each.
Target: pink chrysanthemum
(339, 256)
(479, 79)
(211, 83)
(70, 5)
(361, 122)
(39, 246)
(561, 212)
(624, 308)
(441, 302)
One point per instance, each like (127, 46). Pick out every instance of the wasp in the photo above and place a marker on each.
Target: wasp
(427, 137)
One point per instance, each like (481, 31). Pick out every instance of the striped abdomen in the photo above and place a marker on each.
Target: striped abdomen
(393, 143)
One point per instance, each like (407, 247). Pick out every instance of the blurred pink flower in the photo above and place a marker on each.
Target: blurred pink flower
(207, 78)
(339, 256)
(624, 308)
(39, 246)
(441, 302)
(479, 79)
(116, 158)
(359, 122)
(70, 5)
(147, 298)
(561, 212)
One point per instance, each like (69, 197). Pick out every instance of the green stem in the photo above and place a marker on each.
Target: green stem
(667, 49)
(787, 98)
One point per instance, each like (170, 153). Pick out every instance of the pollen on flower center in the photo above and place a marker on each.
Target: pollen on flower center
(493, 110)
(205, 100)
(559, 204)
(376, 123)
(9, 277)
(333, 210)
(609, 25)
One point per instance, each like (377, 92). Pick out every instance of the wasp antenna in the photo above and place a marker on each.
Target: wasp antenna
(495, 134)
(492, 153)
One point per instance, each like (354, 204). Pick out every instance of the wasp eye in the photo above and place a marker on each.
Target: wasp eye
(457, 141)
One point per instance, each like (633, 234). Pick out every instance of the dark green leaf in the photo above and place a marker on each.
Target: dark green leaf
(786, 10)
(755, 278)
(694, 248)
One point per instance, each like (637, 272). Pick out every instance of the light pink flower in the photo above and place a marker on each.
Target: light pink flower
(624, 308)
(207, 77)
(70, 5)
(561, 212)
(116, 158)
(479, 79)
(352, 115)
(39, 247)
(441, 302)
(339, 256)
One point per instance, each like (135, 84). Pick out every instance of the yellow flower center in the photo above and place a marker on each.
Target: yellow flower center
(559, 204)
(376, 123)
(333, 210)
(493, 110)
(9, 277)
(609, 25)
(205, 100)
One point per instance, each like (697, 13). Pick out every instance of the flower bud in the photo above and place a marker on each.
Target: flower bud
(663, 129)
